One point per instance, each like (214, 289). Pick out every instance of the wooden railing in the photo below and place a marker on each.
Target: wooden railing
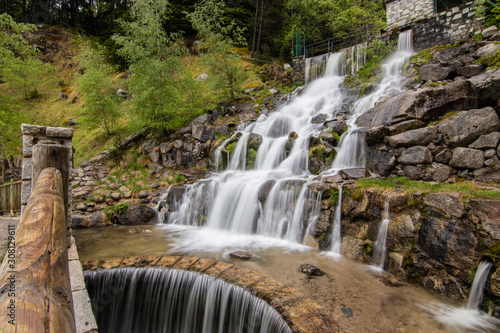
(35, 291)
(10, 197)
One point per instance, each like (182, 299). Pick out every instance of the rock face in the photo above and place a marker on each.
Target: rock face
(424, 104)
(434, 239)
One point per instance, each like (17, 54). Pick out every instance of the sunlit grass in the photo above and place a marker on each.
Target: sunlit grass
(466, 188)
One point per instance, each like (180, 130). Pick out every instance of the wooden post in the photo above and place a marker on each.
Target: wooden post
(49, 154)
(36, 293)
(3, 171)
(11, 195)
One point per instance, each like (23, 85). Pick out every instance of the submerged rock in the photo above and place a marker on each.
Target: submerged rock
(240, 255)
(310, 270)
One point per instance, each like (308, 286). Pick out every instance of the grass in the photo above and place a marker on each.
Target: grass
(467, 189)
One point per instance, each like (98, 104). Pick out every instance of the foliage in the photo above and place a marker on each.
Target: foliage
(19, 65)
(113, 211)
(227, 76)
(158, 81)
(101, 104)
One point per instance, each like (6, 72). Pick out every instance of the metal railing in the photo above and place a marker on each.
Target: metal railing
(339, 42)
(10, 197)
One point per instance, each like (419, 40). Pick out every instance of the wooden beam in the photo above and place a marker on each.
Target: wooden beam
(35, 292)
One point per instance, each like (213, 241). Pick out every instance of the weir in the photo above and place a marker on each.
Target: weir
(174, 301)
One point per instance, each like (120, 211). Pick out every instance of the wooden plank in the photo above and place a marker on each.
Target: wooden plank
(36, 282)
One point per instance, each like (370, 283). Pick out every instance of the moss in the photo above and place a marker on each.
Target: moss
(409, 264)
(493, 250)
(317, 152)
(368, 249)
(230, 147)
(251, 156)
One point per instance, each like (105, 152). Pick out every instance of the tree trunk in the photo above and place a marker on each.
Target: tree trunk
(24, 11)
(255, 27)
(263, 4)
(35, 5)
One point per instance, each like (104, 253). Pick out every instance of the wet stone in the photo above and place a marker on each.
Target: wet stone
(240, 255)
(310, 270)
(347, 312)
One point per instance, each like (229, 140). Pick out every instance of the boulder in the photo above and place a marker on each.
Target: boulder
(442, 155)
(337, 126)
(380, 162)
(376, 135)
(487, 51)
(143, 194)
(434, 72)
(413, 172)
(416, 155)
(486, 141)
(137, 214)
(319, 119)
(421, 136)
(254, 141)
(400, 233)
(354, 173)
(202, 77)
(490, 174)
(464, 128)
(121, 93)
(470, 70)
(438, 172)
(240, 255)
(155, 154)
(406, 126)
(487, 87)
(148, 146)
(467, 158)
(424, 104)
(489, 32)
(202, 133)
(116, 196)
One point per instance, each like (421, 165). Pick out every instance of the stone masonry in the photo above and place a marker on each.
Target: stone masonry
(32, 135)
(402, 12)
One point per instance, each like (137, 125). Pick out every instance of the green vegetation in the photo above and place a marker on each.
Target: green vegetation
(468, 189)
(115, 211)
(251, 156)
(371, 72)
(101, 104)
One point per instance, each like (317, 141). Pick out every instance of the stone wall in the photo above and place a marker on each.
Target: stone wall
(32, 135)
(400, 13)
(457, 25)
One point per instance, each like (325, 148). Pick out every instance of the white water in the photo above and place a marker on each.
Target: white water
(352, 145)
(467, 318)
(272, 198)
(130, 300)
(379, 248)
(337, 226)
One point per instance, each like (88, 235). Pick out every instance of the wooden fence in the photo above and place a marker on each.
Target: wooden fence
(10, 197)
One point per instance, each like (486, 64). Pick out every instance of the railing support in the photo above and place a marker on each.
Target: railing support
(35, 292)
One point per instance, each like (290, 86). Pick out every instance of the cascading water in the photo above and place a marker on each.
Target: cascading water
(476, 291)
(351, 150)
(130, 300)
(379, 248)
(337, 226)
(264, 189)
(468, 318)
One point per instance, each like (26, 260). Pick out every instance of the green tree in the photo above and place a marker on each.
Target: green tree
(226, 74)
(19, 64)
(157, 78)
(101, 105)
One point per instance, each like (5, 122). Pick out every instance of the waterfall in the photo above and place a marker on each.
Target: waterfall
(154, 300)
(264, 190)
(379, 248)
(467, 318)
(337, 226)
(351, 149)
(476, 291)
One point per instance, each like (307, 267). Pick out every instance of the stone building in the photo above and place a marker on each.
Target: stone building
(435, 22)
